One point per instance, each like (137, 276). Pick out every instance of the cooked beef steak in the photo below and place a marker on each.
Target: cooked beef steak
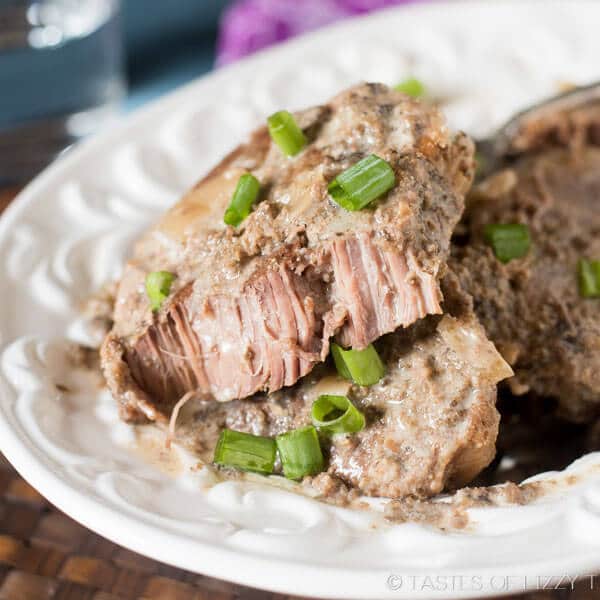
(253, 308)
(431, 422)
(531, 307)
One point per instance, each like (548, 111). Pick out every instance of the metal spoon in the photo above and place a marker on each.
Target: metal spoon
(509, 141)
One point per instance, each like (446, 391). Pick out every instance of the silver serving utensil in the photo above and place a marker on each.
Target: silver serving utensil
(508, 141)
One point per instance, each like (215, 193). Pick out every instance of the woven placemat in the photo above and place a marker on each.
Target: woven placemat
(45, 555)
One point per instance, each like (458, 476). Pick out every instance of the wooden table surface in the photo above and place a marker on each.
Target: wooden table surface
(45, 555)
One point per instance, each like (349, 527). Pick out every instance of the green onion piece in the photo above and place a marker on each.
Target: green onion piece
(412, 87)
(361, 366)
(158, 286)
(285, 132)
(300, 452)
(508, 241)
(242, 200)
(245, 451)
(589, 278)
(362, 183)
(336, 414)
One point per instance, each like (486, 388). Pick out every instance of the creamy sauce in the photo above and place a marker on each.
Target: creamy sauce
(446, 512)
(451, 512)
(299, 198)
(150, 446)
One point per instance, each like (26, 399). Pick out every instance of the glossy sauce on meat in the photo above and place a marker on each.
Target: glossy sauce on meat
(431, 421)
(253, 309)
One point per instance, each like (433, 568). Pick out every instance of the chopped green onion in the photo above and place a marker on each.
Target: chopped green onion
(361, 366)
(242, 200)
(300, 452)
(158, 286)
(245, 451)
(589, 278)
(285, 132)
(508, 241)
(412, 87)
(362, 183)
(336, 414)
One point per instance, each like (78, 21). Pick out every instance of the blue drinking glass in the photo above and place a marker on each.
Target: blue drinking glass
(61, 77)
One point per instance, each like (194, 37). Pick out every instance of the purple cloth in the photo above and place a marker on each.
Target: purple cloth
(249, 25)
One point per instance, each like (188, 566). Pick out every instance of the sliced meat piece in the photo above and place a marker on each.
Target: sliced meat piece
(531, 307)
(253, 308)
(431, 422)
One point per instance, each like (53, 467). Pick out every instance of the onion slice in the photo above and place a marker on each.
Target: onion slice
(175, 413)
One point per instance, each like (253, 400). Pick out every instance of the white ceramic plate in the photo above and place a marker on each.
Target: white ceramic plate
(70, 231)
